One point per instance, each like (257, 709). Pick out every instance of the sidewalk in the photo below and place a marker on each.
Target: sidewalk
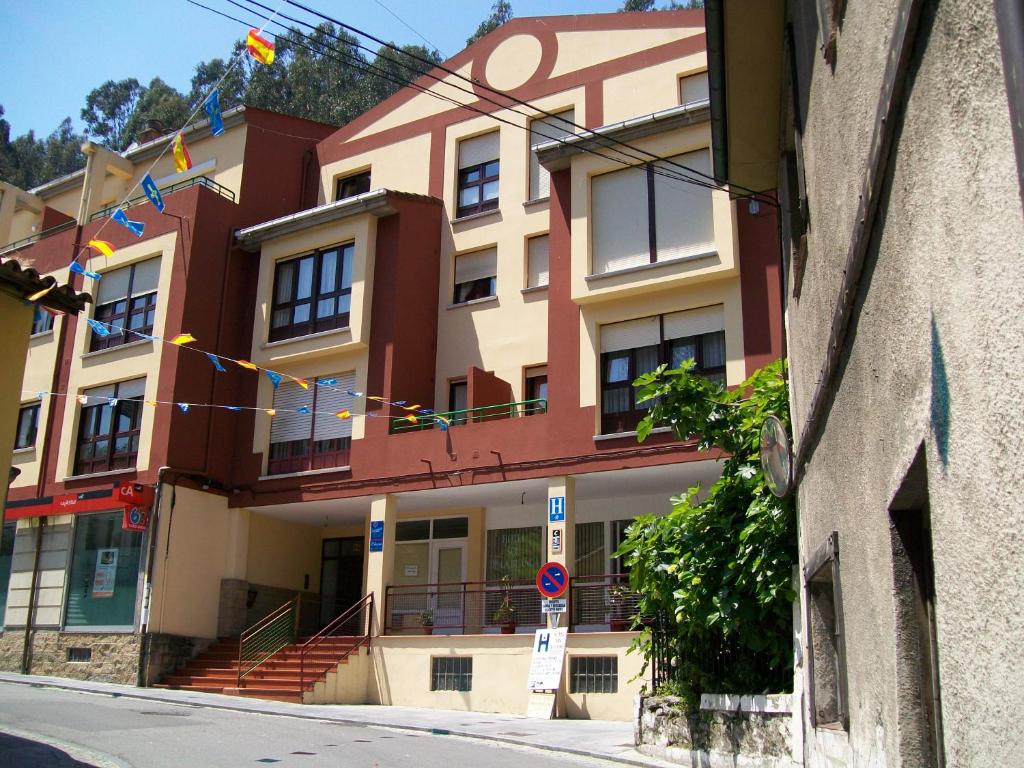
(600, 739)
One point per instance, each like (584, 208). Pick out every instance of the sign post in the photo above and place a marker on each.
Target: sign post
(552, 581)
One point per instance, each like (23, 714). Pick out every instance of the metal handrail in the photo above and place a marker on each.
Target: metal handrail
(477, 604)
(317, 640)
(266, 637)
(494, 412)
(198, 181)
(64, 225)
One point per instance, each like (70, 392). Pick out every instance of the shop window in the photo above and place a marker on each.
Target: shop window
(6, 557)
(618, 538)
(103, 582)
(109, 427)
(543, 130)
(28, 423)
(312, 293)
(42, 320)
(634, 347)
(306, 432)
(642, 216)
(478, 175)
(825, 637)
(451, 673)
(126, 304)
(536, 389)
(458, 401)
(537, 269)
(475, 276)
(590, 558)
(593, 674)
(353, 185)
(693, 89)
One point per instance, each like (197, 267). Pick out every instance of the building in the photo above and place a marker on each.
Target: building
(901, 177)
(438, 350)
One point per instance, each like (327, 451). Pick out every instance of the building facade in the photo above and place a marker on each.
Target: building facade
(900, 175)
(438, 350)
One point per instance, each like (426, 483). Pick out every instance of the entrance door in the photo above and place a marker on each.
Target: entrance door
(341, 576)
(449, 562)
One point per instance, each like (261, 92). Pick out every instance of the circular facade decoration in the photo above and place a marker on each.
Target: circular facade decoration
(514, 62)
(776, 459)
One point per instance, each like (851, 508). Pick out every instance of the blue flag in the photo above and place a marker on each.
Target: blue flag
(122, 218)
(183, 407)
(212, 107)
(302, 409)
(78, 269)
(275, 378)
(216, 362)
(152, 192)
(98, 328)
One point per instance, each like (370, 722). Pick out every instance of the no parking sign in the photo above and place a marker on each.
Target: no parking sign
(552, 579)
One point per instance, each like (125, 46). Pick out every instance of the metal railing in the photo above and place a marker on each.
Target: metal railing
(38, 236)
(472, 415)
(600, 602)
(266, 637)
(354, 625)
(464, 607)
(198, 181)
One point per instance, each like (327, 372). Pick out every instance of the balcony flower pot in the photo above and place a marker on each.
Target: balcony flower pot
(619, 624)
(427, 622)
(508, 628)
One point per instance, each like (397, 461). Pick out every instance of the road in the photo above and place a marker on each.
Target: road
(44, 727)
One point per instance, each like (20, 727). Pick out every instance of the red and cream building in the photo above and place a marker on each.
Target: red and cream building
(510, 269)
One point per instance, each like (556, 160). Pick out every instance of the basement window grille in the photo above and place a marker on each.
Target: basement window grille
(594, 674)
(83, 655)
(451, 673)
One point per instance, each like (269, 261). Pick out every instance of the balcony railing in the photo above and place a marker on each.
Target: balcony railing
(198, 181)
(596, 604)
(38, 236)
(472, 415)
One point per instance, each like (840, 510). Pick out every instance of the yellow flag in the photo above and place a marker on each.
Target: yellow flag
(271, 412)
(102, 246)
(183, 338)
(247, 364)
(39, 294)
(343, 414)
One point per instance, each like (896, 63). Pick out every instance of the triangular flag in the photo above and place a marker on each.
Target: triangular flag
(121, 218)
(182, 160)
(399, 402)
(412, 417)
(78, 269)
(376, 397)
(183, 338)
(259, 47)
(112, 402)
(98, 328)
(326, 382)
(183, 407)
(302, 383)
(247, 364)
(83, 399)
(426, 411)
(302, 409)
(411, 407)
(154, 403)
(151, 191)
(343, 414)
(443, 424)
(275, 378)
(233, 407)
(271, 412)
(350, 393)
(102, 246)
(212, 107)
(216, 362)
(39, 294)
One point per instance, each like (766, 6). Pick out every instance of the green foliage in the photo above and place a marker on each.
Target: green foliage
(719, 566)
(28, 162)
(501, 12)
(648, 5)
(108, 109)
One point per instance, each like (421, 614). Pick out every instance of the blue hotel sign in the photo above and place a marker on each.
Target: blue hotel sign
(376, 535)
(556, 509)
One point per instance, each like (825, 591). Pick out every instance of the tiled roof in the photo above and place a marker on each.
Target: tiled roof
(26, 281)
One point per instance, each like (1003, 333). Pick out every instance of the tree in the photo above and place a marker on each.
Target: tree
(108, 109)
(230, 91)
(718, 568)
(158, 101)
(28, 162)
(392, 69)
(648, 5)
(501, 12)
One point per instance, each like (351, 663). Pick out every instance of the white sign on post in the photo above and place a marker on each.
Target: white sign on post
(556, 605)
(548, 659)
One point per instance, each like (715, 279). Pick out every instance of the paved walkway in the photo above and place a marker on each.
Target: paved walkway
(600, 739)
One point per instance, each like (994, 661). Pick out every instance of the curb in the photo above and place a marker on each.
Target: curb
(81, 686)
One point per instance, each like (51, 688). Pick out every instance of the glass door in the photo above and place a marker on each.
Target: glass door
(449, 569)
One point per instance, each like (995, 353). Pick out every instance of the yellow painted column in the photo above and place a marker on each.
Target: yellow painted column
(380, 564)
(14, 333)
(561, 537)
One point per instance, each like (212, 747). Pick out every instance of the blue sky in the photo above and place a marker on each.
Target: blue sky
(59, 50)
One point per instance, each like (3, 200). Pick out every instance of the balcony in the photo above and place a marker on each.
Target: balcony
(595, 604)
(197, 181)
(478, 415)
(63, 226)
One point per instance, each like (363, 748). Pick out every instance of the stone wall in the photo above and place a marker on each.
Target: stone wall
(727, 731)
(167, 653)
(114, 657)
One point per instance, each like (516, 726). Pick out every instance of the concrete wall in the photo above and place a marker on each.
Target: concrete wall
(933, 360)
(282, 554)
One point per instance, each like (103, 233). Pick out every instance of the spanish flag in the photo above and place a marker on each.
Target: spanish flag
(102, 246)
(259, 48)
(182, 161)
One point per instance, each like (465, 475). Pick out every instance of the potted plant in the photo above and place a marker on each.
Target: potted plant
(619, 619)
(505, 616)
(427, 621)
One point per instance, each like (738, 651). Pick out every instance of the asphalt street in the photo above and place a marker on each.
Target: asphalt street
(43, 727)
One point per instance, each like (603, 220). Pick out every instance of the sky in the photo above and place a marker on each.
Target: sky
(57, 51)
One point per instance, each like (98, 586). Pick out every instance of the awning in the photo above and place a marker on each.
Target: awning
(121, 495)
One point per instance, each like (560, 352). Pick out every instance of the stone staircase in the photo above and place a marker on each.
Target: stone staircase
(278, 678)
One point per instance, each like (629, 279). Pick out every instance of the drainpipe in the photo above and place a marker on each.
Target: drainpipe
(145, 640)
(26, 649)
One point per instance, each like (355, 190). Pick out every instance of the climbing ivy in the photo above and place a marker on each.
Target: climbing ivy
(718, 568)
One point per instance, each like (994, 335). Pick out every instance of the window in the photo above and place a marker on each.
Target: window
(537, 384)
(635, 347)
(104, 577)
(451, 673)
(694, 88)
(825, 637)
(350, 186)
(109, 426)
(542, 130)
(590, 559)
(593, 674)
(458, 400)
(424, 530)
(28, 422)
(537, 261)
(126, 301)
(514, 553)
(475, 275)
(641, 217)
(7, 534)
(312, 293)
(618, 537)
(478, 175)
(42, 320)
(305, 432)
